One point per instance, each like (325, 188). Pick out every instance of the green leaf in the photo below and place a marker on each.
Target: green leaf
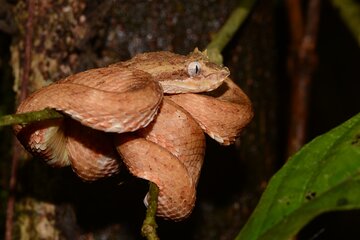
(323, 176)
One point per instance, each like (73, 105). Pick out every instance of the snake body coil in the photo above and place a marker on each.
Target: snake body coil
(121, 110)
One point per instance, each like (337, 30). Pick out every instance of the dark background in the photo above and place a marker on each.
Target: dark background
(233, 177)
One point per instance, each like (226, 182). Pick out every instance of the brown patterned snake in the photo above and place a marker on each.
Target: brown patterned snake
(121, 110)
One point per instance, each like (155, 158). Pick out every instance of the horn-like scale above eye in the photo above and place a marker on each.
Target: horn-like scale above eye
(194, 68)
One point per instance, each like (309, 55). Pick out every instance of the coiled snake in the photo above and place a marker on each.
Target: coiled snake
(148, 110)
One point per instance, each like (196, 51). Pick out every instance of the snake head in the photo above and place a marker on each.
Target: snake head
(176, 73)
(194, 73)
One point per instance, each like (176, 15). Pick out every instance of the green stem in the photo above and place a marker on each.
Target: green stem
(350, 12)
(149, 226)
(228, 30)
(24, 118)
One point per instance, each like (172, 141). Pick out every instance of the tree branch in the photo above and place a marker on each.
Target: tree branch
(29, 117)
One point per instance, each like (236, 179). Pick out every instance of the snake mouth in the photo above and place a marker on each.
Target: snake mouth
(196, 84)
(215, 80)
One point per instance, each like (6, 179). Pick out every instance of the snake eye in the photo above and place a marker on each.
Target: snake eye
(194, 68)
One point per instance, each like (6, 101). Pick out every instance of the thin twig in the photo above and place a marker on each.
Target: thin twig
(227, 31)
(349, 11)
(296, 23)
(298, 88)
(149, 226)
(22, 96)
(29, 117)
(301, 66)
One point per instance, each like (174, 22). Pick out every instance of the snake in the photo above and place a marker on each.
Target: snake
(149, 114)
